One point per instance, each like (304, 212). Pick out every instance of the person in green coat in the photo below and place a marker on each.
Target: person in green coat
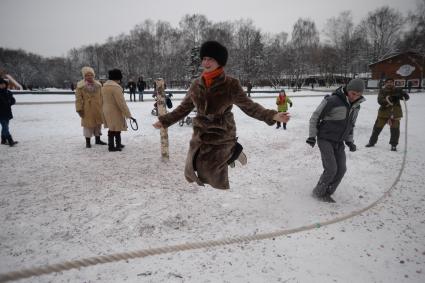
(282, 102)
(389, 112)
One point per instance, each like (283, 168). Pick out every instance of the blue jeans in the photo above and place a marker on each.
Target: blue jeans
(4, 127)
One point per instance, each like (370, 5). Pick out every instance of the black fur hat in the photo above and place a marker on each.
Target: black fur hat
(214, 50)
(115, 75)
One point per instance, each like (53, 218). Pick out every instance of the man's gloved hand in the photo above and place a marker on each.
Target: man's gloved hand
(81, 113)
(290, 104)
(351, 146)
(406, 96)
(311, 141)
(133, 119)
(394, 98)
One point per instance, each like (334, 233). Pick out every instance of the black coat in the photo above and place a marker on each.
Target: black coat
(6, 101)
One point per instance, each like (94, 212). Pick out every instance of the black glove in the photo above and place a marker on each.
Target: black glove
(351, 146)
(81, 113)
(290, 104)
(406, 96)
(311, 141)
(133, 119)
(394, 98)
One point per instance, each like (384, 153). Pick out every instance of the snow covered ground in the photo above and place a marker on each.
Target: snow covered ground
(60, 201)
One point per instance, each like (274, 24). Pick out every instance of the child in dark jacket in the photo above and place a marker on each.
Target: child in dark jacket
(6, 102)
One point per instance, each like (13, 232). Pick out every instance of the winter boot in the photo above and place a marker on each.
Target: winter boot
(393, 148)
(277, 125)
(111, 146)
(98, 141)
(88, 145)
(237, 155)
(3, 140)
(120, 146)
(11, 141)
(284, 126)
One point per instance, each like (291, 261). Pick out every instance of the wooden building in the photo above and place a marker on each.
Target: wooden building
(405, 68)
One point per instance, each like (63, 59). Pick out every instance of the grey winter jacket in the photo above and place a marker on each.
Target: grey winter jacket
(335, 117)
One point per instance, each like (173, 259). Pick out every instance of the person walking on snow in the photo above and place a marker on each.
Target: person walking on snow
(333, 123)
(88, 104)
(214, 145)
(115, 110)
(6, 102)
(282, 102)
(389, 112)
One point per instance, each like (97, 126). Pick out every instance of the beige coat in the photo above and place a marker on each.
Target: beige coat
(214, 128)
(90, 103)
(115, 109)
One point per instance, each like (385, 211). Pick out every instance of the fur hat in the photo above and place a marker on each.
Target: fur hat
(356, 85)
(115, 75)
(214, 50)
(86, 70)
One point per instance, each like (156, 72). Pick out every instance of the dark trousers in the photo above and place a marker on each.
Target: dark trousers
(334, 167)
(141, 95)
(379, 125)
(4, 127)
(132, 95)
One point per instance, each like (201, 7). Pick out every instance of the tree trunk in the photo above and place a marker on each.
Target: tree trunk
(162, 111)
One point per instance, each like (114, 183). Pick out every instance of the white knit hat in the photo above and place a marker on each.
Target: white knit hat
(86, 70)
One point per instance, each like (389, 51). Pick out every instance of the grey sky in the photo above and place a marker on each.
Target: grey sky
(53, 27)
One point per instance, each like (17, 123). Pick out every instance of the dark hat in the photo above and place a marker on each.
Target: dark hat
(214, 50)
(356, 85)
(115, 75)
(3, 81)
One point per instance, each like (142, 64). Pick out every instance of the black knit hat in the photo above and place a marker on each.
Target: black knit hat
(214, 50)
(115, 75)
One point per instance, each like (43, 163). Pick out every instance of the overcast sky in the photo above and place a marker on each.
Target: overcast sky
(53, 27)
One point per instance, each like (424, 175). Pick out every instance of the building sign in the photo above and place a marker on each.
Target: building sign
(405, 70)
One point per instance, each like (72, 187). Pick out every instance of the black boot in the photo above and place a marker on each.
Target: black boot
(393, 148)
(3, 140)
(88, 145)
(111, 146)
(120, 146)
(98, 141)
(284, 126)
(11, 141)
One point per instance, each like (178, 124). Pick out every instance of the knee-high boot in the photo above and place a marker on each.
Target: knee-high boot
(111, 146)
(120, 146)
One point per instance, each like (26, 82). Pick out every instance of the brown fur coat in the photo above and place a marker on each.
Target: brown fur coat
(214, 129)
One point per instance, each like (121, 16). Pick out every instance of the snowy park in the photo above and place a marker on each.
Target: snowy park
(61, 201)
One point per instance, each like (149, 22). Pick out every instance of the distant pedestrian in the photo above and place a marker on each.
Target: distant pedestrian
(131, 85)
(249, 88)
(141, 86)
(282, 101)
(88, 104)
(333, 123)
(115, 109)
(6, 102)
(389, 113)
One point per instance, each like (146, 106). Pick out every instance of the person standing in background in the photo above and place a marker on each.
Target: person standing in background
(6, 102)
(88, 104)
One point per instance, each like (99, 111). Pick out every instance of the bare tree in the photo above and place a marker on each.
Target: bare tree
(381, 29)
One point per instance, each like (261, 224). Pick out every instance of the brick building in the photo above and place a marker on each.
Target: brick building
(405, 68)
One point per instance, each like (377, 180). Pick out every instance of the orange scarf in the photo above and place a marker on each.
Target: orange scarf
(282, 98)
(210, 76)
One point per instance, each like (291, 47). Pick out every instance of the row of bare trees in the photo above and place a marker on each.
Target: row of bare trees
(156, 49)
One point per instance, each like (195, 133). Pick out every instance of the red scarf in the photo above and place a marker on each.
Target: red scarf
(282, 98)
(210, 76)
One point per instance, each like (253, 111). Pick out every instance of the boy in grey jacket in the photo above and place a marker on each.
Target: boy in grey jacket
(332, 123)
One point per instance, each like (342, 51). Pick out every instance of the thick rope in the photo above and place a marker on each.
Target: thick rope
(67, 265)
